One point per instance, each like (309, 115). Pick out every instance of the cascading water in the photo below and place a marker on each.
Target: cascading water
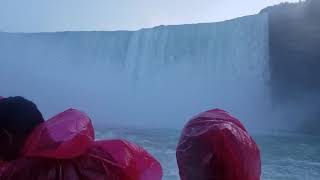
(156, 77)
(159, 77)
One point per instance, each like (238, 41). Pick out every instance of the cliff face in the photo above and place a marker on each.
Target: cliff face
(294, 47)
(294, 44)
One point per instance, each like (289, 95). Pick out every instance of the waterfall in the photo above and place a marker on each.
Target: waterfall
(157, 77)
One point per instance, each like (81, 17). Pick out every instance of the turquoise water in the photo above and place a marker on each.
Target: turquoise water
(284, 156)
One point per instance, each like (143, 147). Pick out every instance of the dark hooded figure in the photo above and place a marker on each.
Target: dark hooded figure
(18, 117)
(215, 146)
(64, 148)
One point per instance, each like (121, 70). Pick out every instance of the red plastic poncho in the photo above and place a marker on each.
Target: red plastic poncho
(216, 146)
(63, 148)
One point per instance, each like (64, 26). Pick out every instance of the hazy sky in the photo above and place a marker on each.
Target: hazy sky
(61, 15)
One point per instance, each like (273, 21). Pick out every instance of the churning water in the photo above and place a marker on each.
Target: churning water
(284, 156)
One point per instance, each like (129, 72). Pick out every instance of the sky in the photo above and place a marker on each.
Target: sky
(106, 15)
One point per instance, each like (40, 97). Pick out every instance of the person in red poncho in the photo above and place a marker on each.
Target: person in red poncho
(215, 146)
(63, 148)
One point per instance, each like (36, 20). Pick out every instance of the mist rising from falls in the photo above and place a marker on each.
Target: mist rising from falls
(158, 77)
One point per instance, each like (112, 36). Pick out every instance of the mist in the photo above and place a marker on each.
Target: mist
(157, 78)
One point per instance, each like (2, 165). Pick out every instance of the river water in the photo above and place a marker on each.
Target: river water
(284, 156)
